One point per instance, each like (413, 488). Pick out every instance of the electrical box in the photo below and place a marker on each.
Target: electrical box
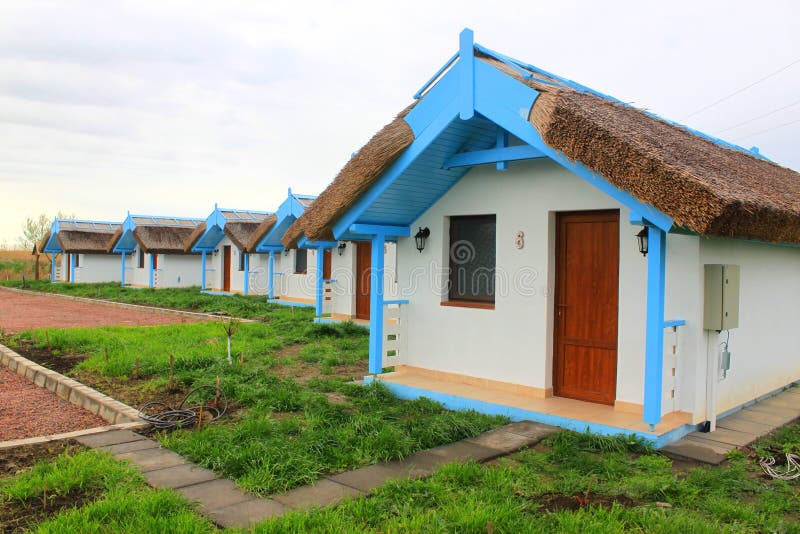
(721, 309)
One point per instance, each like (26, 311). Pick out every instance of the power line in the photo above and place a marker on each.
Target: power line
(743, 89)
(759, 117)
(768, 129)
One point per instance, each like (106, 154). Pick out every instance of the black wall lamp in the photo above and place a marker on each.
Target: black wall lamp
(420, 237)
(340, 247)
(286, 252)
(641, 237)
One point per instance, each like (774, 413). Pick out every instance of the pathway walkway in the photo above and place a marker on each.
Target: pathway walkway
(738, 429)
(228, 506)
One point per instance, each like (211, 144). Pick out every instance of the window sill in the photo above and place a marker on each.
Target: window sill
(468, 304)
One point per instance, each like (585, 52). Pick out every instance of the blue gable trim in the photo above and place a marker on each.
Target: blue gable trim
(53, 246)
(213, 234)
(126, 243)
(288, 212)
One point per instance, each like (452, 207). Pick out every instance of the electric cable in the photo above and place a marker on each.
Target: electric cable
(787, 106)
(164, 417)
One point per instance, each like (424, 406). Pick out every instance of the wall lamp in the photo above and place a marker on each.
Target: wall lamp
(216, 251)
(340, 247)
(286, 252)
(420, 237)
(641, 237)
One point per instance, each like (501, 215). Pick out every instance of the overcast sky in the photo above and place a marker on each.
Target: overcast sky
(168, 107)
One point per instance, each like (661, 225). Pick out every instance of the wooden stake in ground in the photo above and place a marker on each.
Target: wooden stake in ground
(171, 372)
(230, 326)
(241, 358)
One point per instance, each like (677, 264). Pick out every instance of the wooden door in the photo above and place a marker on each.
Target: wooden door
(69, 265)
(363, 272)
(226, 268)
(586, 306)
(155, 261)
(326, 264)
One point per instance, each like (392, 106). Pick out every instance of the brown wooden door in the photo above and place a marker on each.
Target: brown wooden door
(226, 268)
(326, 264)
(155, 261)
(586, 306)
(69, 265)
(363, 272)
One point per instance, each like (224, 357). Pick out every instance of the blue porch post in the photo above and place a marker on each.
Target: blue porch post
(152, 269)
(122, 269)
(246, 272)
(52, 268)
(320, 251)
(72, 268)
(654, 346)
(271, 276)
(203, 271)
(376, 306)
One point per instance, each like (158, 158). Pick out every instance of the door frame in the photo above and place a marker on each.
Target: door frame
(613, 216)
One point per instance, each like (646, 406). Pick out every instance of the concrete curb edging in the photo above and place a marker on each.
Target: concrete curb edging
(120, 415)
(127, 305)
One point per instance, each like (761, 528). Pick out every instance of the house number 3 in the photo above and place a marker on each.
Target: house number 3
(519, 240)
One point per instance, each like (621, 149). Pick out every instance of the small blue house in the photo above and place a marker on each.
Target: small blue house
(83, 251)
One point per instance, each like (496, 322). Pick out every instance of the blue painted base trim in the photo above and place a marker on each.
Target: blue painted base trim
(328, 320)
(453, 402)
(290, 303)
(218, 293)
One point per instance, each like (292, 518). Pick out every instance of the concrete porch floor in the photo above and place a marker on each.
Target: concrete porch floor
(557, 411)
(341, 318)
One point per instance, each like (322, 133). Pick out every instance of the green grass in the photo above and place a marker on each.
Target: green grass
(298, 417)
(118, 498)
(188, 298)
(511, 494)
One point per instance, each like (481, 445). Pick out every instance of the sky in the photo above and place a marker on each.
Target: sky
(167, 108)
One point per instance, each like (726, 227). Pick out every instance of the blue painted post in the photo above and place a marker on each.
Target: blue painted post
(502, 142)
(52, 268)
(152, 269)
(376, 306)
(654, 346)
(271, 276)
(246, 273)
(466, 62)
(122, 270)
(320, 285)
(203, 271)
(72, 268)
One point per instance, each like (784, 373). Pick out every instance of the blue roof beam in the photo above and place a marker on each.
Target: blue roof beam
(493, 155)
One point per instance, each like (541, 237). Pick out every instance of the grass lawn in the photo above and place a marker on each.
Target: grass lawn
(573, 483)
(89, 491)
(295, 413)
(188, 298)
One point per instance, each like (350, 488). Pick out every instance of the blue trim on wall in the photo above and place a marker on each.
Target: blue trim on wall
(501, 155)
(122, 269)
(654, 343)
(246, 272)
(466, 67)
(72, 268)
(151, 272)
(376, 305)
(271, 276)
(203, 271)
(290, 303)
(453, 402)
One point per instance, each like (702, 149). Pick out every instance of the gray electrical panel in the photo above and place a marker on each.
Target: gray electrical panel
(721, 309)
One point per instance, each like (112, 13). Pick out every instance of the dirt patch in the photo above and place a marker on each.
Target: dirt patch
(557, 502)
(304, 371)
(62, 363)
(17, 459)
(289, 351)
(20, 516)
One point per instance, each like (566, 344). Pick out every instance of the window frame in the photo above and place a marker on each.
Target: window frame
(470, 301)
(140, 259)
(297, 256)
(241, 260)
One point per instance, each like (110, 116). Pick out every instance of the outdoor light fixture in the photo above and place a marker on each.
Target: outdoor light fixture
(641, 237)
(286, 252)
(420, 237)
(216, 251)
(340, 248)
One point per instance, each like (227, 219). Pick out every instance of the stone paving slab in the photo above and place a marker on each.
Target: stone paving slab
(694, 451)
(179, 476)
(726, 436)
(714, 446)
(461, 451)
(246, 514)
(324, 492)
(109, 438)
(530, 429)
(503, 441)
(217, 493)
(152, 459)
(131, 446)
(765, 417)
(745, 425)
(368, 478)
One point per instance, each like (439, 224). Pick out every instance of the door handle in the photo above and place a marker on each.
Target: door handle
(560, 307)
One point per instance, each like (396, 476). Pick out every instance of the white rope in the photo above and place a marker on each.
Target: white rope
(791, 472)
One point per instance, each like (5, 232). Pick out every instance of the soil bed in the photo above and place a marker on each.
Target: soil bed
(557, 502)
(61, 363)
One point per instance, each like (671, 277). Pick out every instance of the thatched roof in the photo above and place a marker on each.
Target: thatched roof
(193, 237)
(260, 231)
(84, 241)
(358, 174)
(705, 187)
(240, 233)
(164, 239)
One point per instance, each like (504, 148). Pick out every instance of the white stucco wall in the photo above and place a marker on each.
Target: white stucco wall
(764, 353)
(343, 269)
(98, 268)
(174, 270)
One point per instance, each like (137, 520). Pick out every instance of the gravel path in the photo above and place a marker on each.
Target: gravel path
(27, 411)
(20, 311)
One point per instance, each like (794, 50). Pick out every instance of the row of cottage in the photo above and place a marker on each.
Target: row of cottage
(524, 245)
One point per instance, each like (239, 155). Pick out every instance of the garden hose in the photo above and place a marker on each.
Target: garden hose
(163, 417)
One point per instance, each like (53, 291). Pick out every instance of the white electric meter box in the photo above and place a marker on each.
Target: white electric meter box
(721, 309)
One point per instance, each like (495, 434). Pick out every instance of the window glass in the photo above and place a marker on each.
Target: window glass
(301, 261)
(472, 258)
(141, 259)
(241, 261)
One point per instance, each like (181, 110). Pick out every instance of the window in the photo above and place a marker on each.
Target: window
(141, 259)
(241, 260)
(301, 261)
(472, 258)
(77, 260)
